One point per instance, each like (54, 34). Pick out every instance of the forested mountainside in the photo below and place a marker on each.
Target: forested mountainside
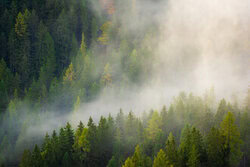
(188, 133)
(60, 56)
(56, 54)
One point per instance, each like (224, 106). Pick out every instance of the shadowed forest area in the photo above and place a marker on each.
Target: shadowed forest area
(68, 66)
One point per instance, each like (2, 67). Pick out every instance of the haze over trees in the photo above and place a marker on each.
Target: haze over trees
(127, 140)
(58, 55)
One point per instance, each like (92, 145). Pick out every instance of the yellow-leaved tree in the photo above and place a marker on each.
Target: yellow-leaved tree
(104, 38)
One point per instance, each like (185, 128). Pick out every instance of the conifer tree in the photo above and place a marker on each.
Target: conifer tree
(69, 75)
(215, 147)
(171, 150)
(154, 126)
(160, 160)
(221, 111)
(232, 138)
(77, 105)
(36, 158)
(83, 46)
(129, 163)
(26, 159)
(193, 158)
(106, 79)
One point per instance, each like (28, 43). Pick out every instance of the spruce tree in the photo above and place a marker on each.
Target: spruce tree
(160, 160)
(232, 138)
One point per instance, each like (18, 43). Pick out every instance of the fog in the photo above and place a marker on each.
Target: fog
(199, 44)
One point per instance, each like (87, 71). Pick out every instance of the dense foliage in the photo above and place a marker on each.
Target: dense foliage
(158, 139)
(58, 54)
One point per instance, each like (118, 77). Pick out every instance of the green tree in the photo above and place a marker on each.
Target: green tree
(77, 104)
(138, 159)
(83, 141)
(91, 138)
(26, 159)
(70, 137)
(78, 133)
(83, 46)
(66, 162)
(160, 160)
(232, 138)
(19, 48)
(245, 135)
(20, 26)
(154, 126)
(194, 158)
(106, 79)
(86, 73)
(46, 54)
(184, 148)
(69, 75)
(133, 68)
(221, 111)
(171, 150)
(215, 148)
(36, 158)
(113, 162)
(129, 163)
(62, 37)
(104, 38)
(164, 119)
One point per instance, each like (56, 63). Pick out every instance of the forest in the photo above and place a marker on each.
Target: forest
(186, 134)
(58, 57)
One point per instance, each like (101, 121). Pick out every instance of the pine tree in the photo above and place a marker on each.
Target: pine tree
(83, 141)
(113, 162)
(185, 145)
(77, 104)
(133, 67)
(171, 150)
(47, 59)
(83, 46)
(26, 159)
(79, 130)
(215, 146)
(197, 140)
(46, 141)
(106, 79)
(20, 26)
(69, 75)
(194, 157)
(129, 163)
(69, 136)
(164, 117)
(78, 134)
(66, 162)
(245, 135)
(86, 73)
(104, 38)
(232, 138)
(130, 132)
(62, 38)
(140, 159)
(160, 160)
(91, 137)
(154, 126)
(63, 143)
(221, 111)
(36, 158)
